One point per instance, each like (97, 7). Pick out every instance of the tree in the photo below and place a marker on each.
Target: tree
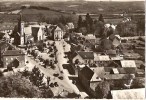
(80, 22)
(138, 83)
(17, 86)
(47, 93)
(36, 77)
(89, 24)
(102, 89)
(98, 28)
(73, 95)
(101, 18)
(46, 62)
(83, 30)
(141, 26)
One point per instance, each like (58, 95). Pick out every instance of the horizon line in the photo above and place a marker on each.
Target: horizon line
(71, 0)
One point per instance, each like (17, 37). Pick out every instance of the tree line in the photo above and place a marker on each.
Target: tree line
(135, 27)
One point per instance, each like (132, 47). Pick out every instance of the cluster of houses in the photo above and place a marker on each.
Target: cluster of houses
(26, 32)
(92, 60)
(22, 33)
(91, 67)
(10, 56)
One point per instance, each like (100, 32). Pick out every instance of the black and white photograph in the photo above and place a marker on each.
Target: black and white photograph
(72, 49)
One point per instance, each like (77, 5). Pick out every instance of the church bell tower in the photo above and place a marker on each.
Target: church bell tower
(21, 30)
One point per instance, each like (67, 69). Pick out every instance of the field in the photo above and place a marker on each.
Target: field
(67, 8)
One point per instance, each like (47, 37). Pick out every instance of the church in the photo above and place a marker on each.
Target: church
(26, 32)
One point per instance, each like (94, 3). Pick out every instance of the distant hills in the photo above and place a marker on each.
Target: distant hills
(70, 8)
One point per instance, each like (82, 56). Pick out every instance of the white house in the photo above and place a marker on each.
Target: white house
(70, 25)
(128, 63)
(84, 57)
(58, 33)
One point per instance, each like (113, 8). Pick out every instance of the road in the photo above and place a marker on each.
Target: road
(48, 72)
(61, 60)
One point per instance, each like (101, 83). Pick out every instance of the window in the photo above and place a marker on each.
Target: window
(11, 58)
(6, 59)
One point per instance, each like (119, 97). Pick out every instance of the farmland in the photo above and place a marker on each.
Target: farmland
(70, 9)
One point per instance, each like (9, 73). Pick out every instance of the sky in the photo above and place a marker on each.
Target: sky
(72, 0)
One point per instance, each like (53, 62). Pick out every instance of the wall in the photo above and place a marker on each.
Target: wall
(8, 59)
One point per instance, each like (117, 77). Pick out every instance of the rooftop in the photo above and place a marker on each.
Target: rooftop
(129, 94)
(13, 53)
(128, 63)
(86, 55)
(117, 76)
(87, 73)
(102, 58)
(111, 52)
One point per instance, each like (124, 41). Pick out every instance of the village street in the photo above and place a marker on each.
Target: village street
(61, 60)
(48, 72)
(62, 46)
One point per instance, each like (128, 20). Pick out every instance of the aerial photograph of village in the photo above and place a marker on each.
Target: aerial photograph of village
(76, 49)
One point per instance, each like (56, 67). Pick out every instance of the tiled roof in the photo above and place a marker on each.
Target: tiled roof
(115, 70)
(103, 72)
(117, 76)
(111, 52)
(129, 94)
(102, 58)
(86, 55)
(90, 36)
(128, 63)
(87, 73)
(95, 78)
(13, 53)
(100, 71)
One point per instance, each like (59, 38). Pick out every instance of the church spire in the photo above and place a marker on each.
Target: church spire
(19, 23)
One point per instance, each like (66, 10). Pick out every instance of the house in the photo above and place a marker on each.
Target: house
(140, 73)
(115, 76)
(28, 34)
(89, 41)
(79, 34)
(70, 25)
(128, 64)
(91, 38)
(13, 58)
(117, 58)
(57, 33)
(128, 94)
(7, 27)
(111, 53)
(116, 40)
(4, 46)
(83, 57)
(101, 60)
(23, 31)
(85, 78)
(9, 54)
(38, 33)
